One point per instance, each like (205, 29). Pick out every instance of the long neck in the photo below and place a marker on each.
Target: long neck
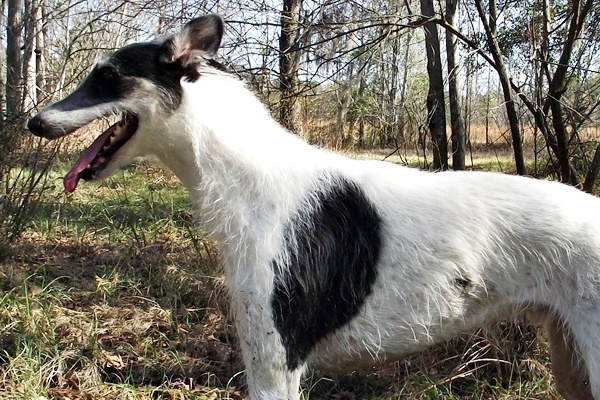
(233, 157)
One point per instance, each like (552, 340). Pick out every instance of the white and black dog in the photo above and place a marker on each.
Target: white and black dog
(334, 263)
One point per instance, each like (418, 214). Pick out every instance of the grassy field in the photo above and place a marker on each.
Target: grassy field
(113, 293)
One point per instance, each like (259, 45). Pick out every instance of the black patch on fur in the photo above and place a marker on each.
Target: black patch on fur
(331, 271)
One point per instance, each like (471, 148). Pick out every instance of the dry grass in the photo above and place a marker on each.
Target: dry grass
(112, 293)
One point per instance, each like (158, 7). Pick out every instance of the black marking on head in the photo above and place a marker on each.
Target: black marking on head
(102, 86)
(143, 60)
(114, 79)
(164, 63)
(331, 269)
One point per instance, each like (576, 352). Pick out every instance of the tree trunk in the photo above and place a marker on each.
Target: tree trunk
(28, 61)
(511, 110)
(436, 111)
(557, 88)
(592, 174)
(391, 113)
(2, 80)
(289, 60)
(61, 82)
(13, 60)
(344, 94)
(40, 52)
(404, 85)
(360, 115)
(456, 120)
(471, 81)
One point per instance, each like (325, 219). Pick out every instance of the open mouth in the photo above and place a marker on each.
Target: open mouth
(98, 155)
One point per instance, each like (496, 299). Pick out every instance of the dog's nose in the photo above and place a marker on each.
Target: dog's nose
(36, 125)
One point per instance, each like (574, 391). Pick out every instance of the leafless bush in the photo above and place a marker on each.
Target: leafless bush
(23, 176)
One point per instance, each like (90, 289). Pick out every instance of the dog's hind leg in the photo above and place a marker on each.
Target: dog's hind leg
(591, 355)
(568, 368)
(585, 328)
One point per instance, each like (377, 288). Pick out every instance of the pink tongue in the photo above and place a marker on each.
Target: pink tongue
(72, 178)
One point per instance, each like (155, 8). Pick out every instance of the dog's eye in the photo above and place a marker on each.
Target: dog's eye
(108, 73)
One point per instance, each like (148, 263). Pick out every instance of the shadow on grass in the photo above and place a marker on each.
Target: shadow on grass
(151, 316)
(141, 316)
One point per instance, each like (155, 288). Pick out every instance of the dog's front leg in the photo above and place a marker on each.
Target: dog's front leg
(267, 374)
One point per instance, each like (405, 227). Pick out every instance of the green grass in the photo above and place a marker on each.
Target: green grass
(489, 159)
(112, 292)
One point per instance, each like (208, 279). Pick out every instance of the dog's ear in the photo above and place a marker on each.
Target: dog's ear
(201, 37)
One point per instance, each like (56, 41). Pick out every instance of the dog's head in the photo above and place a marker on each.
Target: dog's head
(142, 83)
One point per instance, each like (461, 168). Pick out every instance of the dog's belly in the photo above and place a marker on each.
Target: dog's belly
(343, 353)
(379, 336)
